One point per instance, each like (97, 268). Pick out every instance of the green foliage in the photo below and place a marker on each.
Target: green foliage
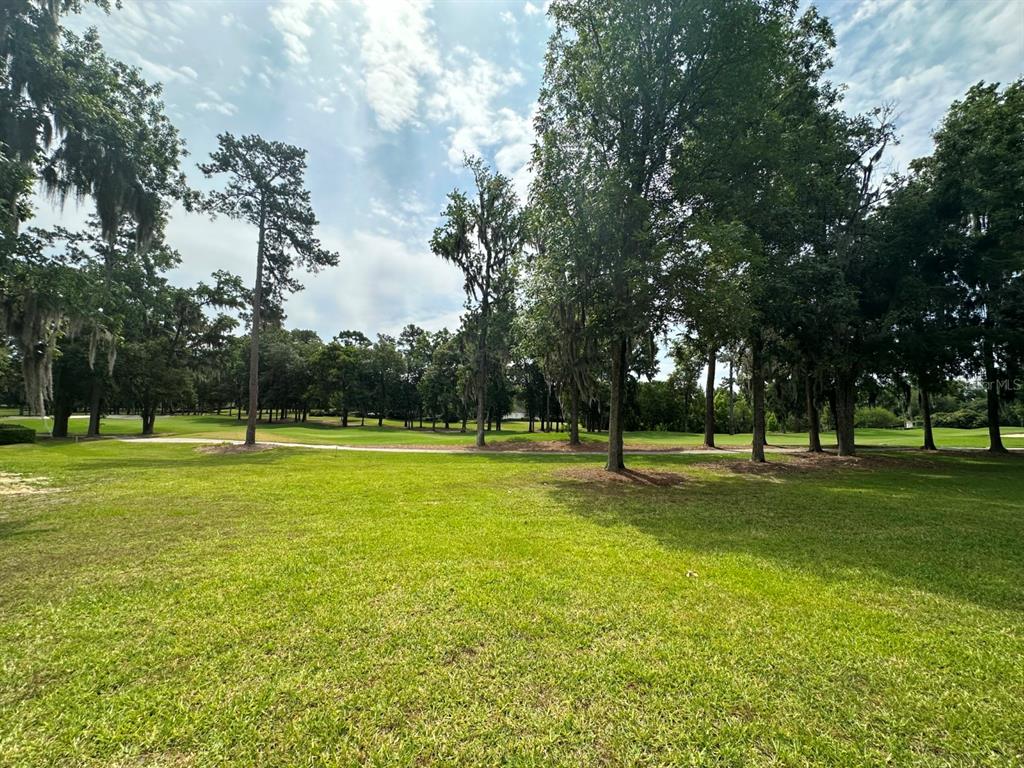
(877, 418)
(11, 434)
(964, 418)
(82, 123)
(266, 188)
(483, 236)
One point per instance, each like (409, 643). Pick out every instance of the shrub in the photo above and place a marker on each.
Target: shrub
(965, 418)
(876, 418)
(15, 433)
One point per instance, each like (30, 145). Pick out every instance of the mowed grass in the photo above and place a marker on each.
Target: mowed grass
(328, 431)
(164, 607)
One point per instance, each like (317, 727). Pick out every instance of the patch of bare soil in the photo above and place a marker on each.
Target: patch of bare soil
(797, 463)
(597, 476)
(547, 446)
(793, 463)
(17, 484)
(232, 448)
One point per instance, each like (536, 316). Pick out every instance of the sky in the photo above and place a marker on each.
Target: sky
(388, 95)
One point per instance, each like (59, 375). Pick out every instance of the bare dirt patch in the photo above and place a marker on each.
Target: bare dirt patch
(546, 446)
(798, 463)
(625, 477)
(793, 463)
(562, 446)
(231, 448)
(17, 484)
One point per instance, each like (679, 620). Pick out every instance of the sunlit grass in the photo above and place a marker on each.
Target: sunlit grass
(164, 607)
(327, 430)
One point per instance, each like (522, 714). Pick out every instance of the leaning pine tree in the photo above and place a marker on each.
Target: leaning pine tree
(483, 236)
(266, 188)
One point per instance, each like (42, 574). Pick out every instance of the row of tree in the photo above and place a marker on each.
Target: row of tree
(694, 174)
(74, 122)
(697, 169)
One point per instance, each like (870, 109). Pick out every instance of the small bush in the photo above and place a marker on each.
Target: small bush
(965, 418)
(876, 418)
(15, 433)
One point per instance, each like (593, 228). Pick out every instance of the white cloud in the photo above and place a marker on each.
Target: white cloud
(215, 103)
(464, 100)
(398, 48)
(292, 18)
(920, 57)
(530, 9)
(188, 72)
(364, 291)
(509, 20)
(323, 104)
(513, 158)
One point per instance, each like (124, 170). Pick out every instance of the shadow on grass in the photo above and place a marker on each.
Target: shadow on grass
(949, 525)
(21, 527)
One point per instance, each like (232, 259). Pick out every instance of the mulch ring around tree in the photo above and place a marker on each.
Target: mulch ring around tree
(622, 477)
(547, 446)
(798, 463)
(233, 448)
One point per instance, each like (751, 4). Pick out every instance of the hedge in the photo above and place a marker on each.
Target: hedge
(965, 418)
(877, 418)
(15, 433)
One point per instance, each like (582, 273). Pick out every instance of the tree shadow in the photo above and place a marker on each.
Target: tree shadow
(185, 459)
(18, 527)
(952, 526)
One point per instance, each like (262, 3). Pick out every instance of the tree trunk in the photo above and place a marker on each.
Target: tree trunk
(995, 439)
(254, 337)
(732, 402)
(846, 401)
(757, 393)
(709, 401)
(61, 416)
(618, 385)
(148, 419)
(813, 417)
(545, 420)
(574, 414)
(926, 412)
(95, 399)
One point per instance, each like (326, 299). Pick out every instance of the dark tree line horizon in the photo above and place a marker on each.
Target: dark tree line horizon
(692, 171)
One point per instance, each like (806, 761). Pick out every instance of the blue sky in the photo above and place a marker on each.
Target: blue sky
(386, 96)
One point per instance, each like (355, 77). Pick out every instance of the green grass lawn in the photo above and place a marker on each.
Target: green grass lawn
(164, 607)
(328, 431)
